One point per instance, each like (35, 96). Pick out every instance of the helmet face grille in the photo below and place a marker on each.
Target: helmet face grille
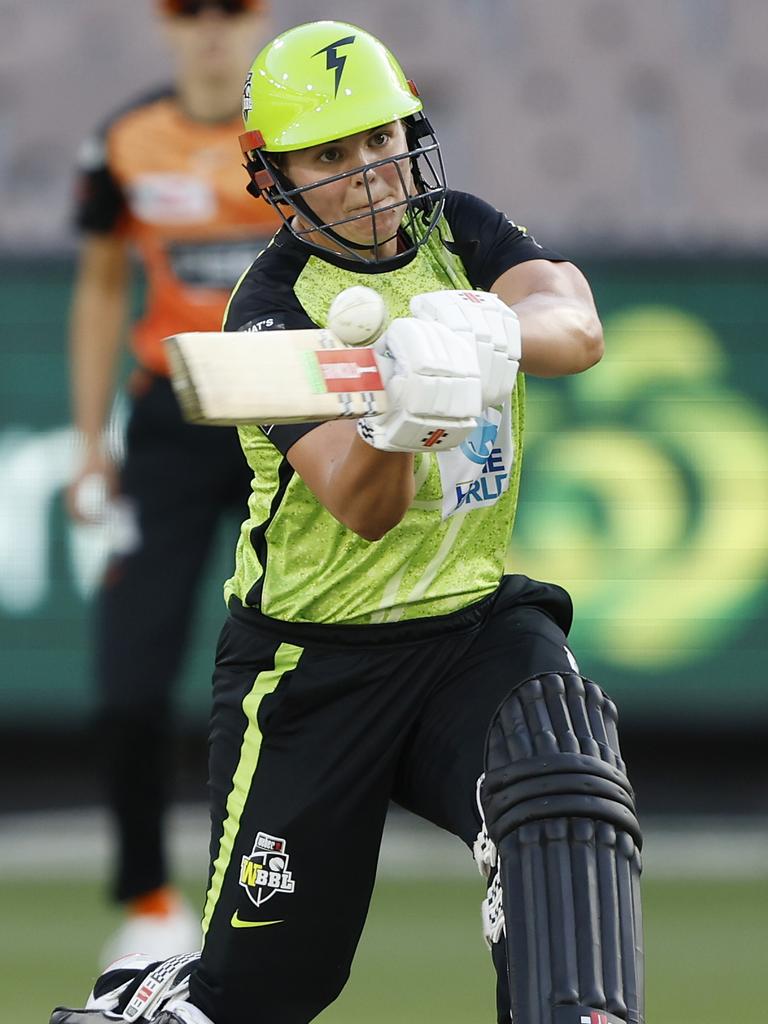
(421, 205)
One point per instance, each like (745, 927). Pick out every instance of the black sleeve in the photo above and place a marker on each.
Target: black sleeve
(486, 241)
(99, 200)
(262, 303)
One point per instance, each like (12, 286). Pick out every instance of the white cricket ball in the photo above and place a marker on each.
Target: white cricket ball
(92, 497)
(357, 316)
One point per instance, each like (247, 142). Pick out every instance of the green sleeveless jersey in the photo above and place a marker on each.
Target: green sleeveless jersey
(294, 560)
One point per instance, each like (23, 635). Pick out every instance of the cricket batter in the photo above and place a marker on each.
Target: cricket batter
(375, 648)
(160, 179)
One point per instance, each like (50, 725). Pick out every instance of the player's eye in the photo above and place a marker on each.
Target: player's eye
(380, 139)
(329, 156)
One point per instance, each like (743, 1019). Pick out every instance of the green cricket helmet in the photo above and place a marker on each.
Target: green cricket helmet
(318, 83)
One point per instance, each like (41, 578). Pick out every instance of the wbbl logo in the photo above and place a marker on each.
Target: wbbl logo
(265, 872)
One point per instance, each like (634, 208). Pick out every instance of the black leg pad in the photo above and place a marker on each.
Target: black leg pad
(561, 812)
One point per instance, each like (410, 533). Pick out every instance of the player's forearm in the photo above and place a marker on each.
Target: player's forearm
(367, 490)
(372, 490)
(559, 336)
(97, 321)
(94, 349)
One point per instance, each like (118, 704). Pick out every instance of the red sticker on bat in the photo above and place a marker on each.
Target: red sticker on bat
(350, 369)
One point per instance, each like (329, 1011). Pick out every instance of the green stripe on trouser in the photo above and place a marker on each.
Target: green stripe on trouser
(286, 659)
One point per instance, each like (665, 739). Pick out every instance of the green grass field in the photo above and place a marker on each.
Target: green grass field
(421, 960)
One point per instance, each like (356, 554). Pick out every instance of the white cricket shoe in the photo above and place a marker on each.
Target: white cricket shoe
(157, 936)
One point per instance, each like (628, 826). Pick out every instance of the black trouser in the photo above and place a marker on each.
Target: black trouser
(314, 729)
(180, 480)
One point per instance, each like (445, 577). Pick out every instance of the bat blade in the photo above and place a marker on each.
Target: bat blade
(239, 377)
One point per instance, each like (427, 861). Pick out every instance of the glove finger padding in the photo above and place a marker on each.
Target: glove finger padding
(426, 348)
(433, 388)
(491, 324)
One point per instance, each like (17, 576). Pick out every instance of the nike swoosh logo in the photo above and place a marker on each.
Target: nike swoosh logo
(236, 922)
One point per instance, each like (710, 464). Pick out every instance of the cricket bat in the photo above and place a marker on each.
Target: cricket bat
(238, 377)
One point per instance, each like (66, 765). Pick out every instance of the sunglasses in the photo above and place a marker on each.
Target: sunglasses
(192, 8)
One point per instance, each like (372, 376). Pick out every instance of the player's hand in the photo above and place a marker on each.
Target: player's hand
(91, 490)
(493, 326)
(432, 379)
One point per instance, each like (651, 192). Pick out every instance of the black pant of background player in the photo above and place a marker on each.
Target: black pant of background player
(314, 729)
(181, 480)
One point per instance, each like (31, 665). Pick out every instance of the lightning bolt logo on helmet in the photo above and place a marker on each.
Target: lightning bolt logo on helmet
(335, 62)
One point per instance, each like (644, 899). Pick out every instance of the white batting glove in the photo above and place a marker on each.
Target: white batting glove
(493, 326)
(432, 379)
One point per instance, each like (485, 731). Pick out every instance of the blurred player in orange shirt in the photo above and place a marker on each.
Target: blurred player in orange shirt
(161, 178)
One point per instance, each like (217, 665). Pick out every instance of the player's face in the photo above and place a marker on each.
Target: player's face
(348, 198)
(208, 39)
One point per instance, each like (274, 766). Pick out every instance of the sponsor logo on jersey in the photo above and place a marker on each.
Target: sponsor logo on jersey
(268, 323)
(215, 265)
(477, 473)
(171, 199)
(482, 450)
(265, 872)
(478, 447)
(487, 488)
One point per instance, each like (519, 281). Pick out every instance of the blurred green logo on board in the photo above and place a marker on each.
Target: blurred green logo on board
(645, 492)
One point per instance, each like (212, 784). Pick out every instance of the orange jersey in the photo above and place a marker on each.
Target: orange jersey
(175, 189)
